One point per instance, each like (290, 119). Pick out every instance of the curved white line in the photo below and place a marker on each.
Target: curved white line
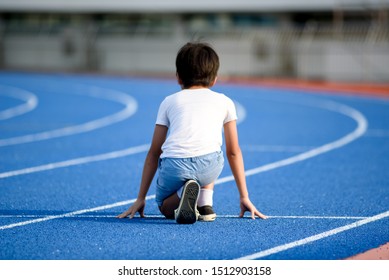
(108, 94)
(31, 101)
(328, 105)
(78, 212)
(76, 161)
(275, 148)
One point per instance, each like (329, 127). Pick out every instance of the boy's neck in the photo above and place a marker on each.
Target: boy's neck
(196, 87)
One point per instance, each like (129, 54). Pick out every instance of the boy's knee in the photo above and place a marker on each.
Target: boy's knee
(169, 205)
(167, 212)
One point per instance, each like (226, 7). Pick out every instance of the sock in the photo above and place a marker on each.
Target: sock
(205, 198)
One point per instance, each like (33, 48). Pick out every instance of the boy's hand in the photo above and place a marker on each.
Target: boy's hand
(246, 205)
(138, 206)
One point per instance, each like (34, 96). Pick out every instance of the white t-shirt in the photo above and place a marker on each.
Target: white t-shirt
(195, 118)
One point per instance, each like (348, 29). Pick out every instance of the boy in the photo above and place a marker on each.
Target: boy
(190, 159)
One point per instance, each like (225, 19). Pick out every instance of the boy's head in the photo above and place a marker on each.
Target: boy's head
(197, 65)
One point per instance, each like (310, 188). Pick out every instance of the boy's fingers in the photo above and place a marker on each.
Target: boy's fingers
(260, 215)
(122, 215)
(141, 213)
(241, 213)
(132, 214)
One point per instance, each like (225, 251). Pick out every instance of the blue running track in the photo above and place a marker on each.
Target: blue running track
(72, 149)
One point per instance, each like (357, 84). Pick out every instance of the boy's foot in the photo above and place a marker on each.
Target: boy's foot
(187, 213)
(206, 213)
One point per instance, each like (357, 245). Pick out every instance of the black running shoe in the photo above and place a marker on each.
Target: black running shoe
(206, 213)
(187, 213)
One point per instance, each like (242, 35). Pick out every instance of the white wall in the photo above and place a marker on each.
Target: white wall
(342, 61)
(262, 54)
(42, 52)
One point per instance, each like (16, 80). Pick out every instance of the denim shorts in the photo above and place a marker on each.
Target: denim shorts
(174, 172)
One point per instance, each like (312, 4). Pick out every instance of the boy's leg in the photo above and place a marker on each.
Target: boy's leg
(205, 203)
(169, 181)
(214, 163)
(184, 208)
(169, 205)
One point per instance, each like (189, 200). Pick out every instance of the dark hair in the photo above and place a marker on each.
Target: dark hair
(197, 65)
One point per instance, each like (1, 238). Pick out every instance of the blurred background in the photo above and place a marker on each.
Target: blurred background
(326, 40)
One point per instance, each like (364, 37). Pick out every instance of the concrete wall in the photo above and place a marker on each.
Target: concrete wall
(342, 61)
(261, 54)
(43, 52)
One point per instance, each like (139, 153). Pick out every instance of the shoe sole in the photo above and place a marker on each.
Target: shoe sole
(207, 218)
(185, 213)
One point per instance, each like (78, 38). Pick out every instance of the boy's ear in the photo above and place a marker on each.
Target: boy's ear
(214, 82)
(178, 79)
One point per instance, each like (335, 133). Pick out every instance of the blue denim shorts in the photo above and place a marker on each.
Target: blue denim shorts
(174, 172)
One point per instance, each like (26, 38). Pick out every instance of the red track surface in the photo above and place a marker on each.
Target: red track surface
(334, 87)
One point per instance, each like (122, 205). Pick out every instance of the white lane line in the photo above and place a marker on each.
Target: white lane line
(70, 214)
(275, 148)
(319, 217)
(129, 102)
(313, 238)
(28, 216)
(30, 99)
(328, 105)
(76, 161)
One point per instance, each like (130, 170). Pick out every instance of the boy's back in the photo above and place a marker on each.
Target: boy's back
(195, 118)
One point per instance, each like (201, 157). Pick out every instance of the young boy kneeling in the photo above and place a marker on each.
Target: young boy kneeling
(190, 159)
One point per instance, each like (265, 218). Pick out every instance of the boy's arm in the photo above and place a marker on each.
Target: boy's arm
(235, 159)
(149, 169)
